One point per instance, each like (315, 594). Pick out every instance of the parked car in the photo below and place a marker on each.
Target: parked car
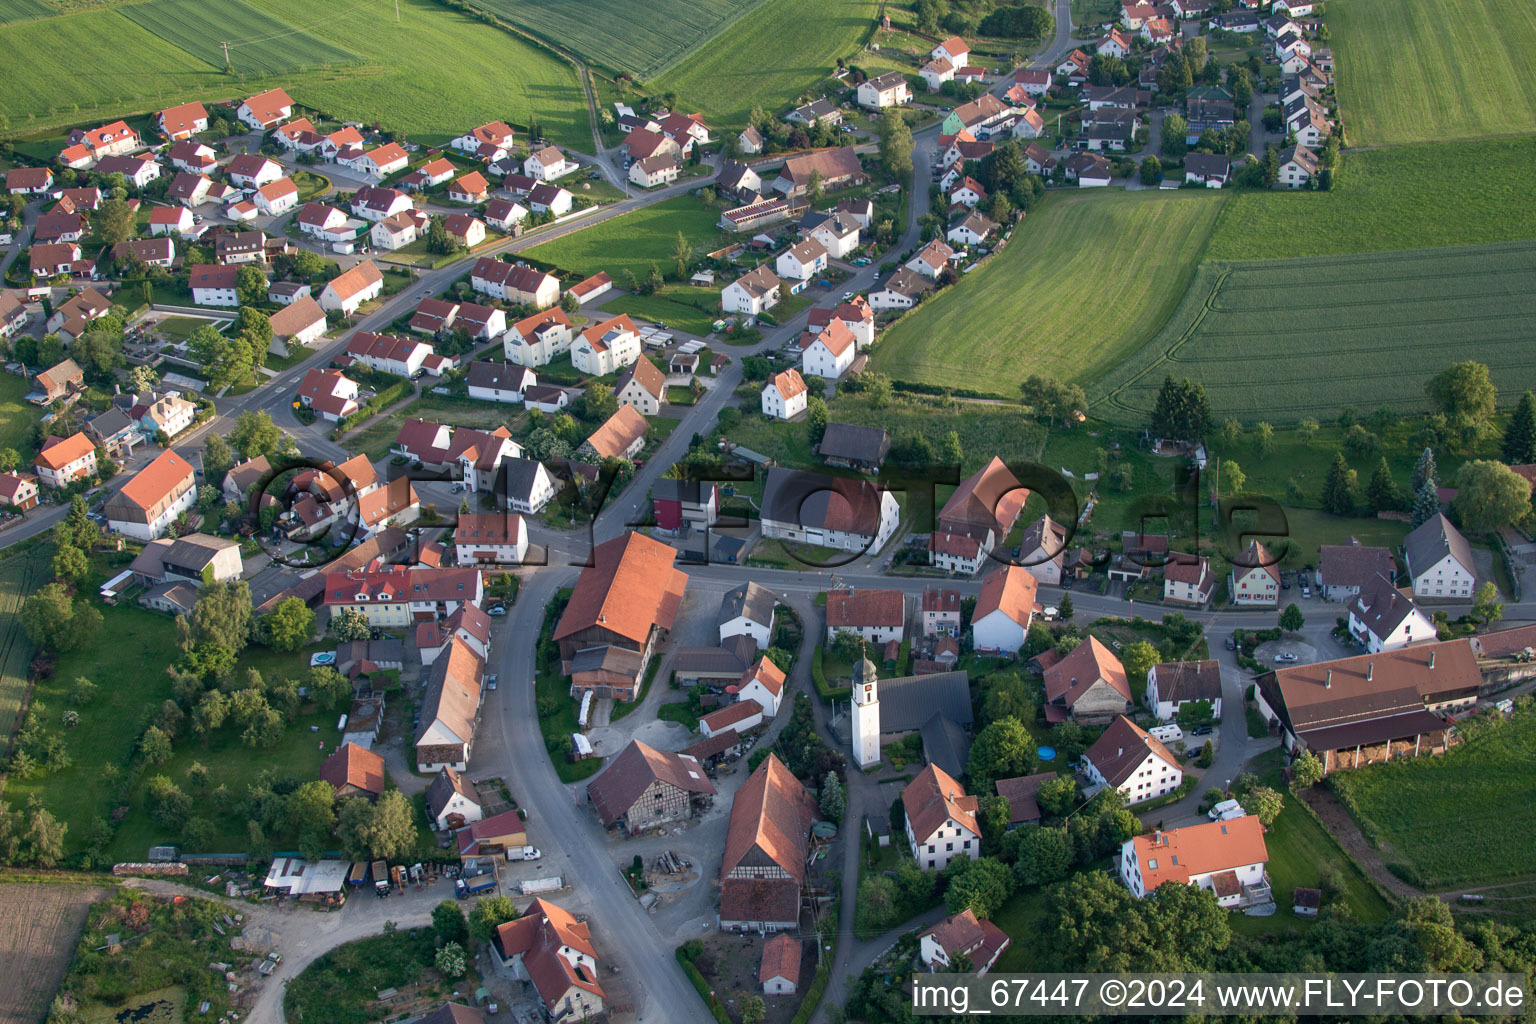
(1281, 659)
(490, 681)
(1203, 730)
(1231, 643)
(1306, 591)
(497, 610)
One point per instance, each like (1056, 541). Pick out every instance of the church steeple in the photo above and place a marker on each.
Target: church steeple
(866, 713)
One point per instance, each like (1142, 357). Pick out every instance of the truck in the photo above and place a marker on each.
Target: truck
(381, 878)
(474, 885)
(535, 886)
(358, 875)
(397, 875)
(524, 853)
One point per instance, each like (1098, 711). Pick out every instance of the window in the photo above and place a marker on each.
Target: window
(949, 847)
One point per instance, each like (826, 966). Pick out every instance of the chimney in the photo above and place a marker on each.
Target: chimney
(1328, 679)
(1370, 670)
(1431, 658)
(1119, 751)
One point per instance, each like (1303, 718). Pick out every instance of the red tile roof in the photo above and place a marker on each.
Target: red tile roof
(1011, 590)
(157, 481)
(630, 587)
(850, 609)
(352, 765)
(934, 797)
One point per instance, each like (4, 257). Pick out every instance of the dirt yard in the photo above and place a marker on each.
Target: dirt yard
(734, 961)
(39, 926)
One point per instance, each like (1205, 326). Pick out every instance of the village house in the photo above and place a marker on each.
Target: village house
(63, 460)
(975, 229)
(398, 230)
(1228, 858)
(354, 771)
(374, 165)
(837, 168)
(167, 414)
(375, 204)
(430, 175)
(71, 319)
(1022, 794)
(754, 292)
(450, 709)
(53, 258)
(785, 395)
(476, 455)
(183, 121)
(779, 969)
(1371, 707)
(1255, 577)
(363, 283)
(299, 323)
(332, 395)
(749, 141)
(325, 223)
(551, 949)
(505, 215)
(171, 220)
(1042, 550)
(496, 134)
(739, 180)
(1383, 618)
(498, 382)
(193, 157)
(61, 226)
(855, 314)
(642, 386)
(621, 436)
(266, 110)
(661, 169)
(1128, 759)
(643, 788)
(887, 90)
(748, 610)
(58, 381)
(149, 503)
(834, 512)
(625, 602)
(252, 170)
(452, 802)
(1088, 686)
(405, 357)
(535, 340)
(236, 247)
(515, 284)
(1089, 170)
(874, 616)
(1439, 561)
(803, 261)
(27, 181)
(395, 504)
(1298, 165)
(489, 538)
(816, 112)
(851, 446)
(837, 232)
(547, 164)
(1207, 169)
(465, 229)
(213, 285)
(767, 841)
(14, 315)
(941, 612)
(277, 197)
(1343, 569)
(902, 290)
(936, 72)
(468, 623)
(470, 189)
(1188, 579)
(941, 819)
(964, 934)
(931, 260)
(829, 353)
(1004, 609)
(1172, 684)
(684, 504)
(18, 492)
(607, 347)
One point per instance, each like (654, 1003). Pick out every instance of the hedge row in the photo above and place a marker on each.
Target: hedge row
(812, 996)
(703, 988)
(819, 678)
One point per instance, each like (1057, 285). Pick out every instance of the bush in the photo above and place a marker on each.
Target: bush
(700, 984)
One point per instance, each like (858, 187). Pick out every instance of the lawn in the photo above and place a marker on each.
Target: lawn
(16, 414)
(1410, 198)
(1085, 280)
(675, 305)
(1473, 74)
(342, 986)
(641, 40)
(262, 44)
(403, 84)
(1377, 327)
(12, 11)
(19, 576)
(769, 57)
(635, 242)
(1463, 817)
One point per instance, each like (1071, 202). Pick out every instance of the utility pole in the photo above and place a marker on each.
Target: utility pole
(226, 57)
(397, 12)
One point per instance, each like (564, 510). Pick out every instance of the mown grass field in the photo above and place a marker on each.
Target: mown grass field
(12, 11)
(1465, 816)
(100, 63)
(1085, 280)
(261, 43)
(19, 576)
(633, 242)
(673, 306)
(1419, 71)
(641, 39)
(1284, 339)
(768, 57)
(1410, 198)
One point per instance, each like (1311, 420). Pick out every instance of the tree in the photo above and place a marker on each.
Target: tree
(250, 285)
(1264, 437)
(1151, 170)
(1138, 659)
(682, 252)
(1486, 606)
(1175, 131)
(981, 885)
(1338, 496)
(1002, 750)
(448, 923)
(1236, 478)
(450, 960)
(309, 813)
(750, 1008)
(99, 352)
(951, 453)
(1424, 470)
(10, 458)
(1382, 492)
(45, 837)
(1025, 21)
(350, 624)
(113, 222)
(255, 435)
(1052, 400)
(218, 459)
(219, 627)
(1307, 428)
(1465, 394)
(1426, 504)
(168, 805)
(833, 801)
(55, 623)
(895, 143)
(70, 565)
(77, 529)
(1291, 619)
(1042, 855)
(1490, 495)
(83, 692)
(289, 626)
(142, 378)
(1182, 411)
(1519, 444)
(1064, 610)
(1306, 771)
(155, 746)
(1056, 796)
(489, 913)
(385, 828)
(1263, 803)
(816, 419)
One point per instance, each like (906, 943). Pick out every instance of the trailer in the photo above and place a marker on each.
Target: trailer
(535, 886)
(381, 878)
(359, 873)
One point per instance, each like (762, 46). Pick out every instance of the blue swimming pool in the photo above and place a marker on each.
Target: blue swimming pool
(1046, 753)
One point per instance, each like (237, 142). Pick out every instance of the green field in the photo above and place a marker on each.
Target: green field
(769, 57)
(1409, 198)
(19, 576)
(674, 306)
(1419, 71)
(12, 11)
(1465, 816)
(643, 40)
(16, 414)
(265, 45)
(100, 63)
(1084, 281)
(633, 242)
(1283, 339)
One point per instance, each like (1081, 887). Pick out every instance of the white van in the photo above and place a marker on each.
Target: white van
(1223, 811)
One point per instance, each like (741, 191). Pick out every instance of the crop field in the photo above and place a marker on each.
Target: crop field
(768, 57)
(39, 926)
(19, 576)
(1283, 339)
(641, 39)
(1084, 281)
(262, 44)
(632, 243)
(1465, 816)
(99, 63)
(1473, 75)
(1415, 197)
(12, 11)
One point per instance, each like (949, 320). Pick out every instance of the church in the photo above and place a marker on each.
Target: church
(937, 707)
